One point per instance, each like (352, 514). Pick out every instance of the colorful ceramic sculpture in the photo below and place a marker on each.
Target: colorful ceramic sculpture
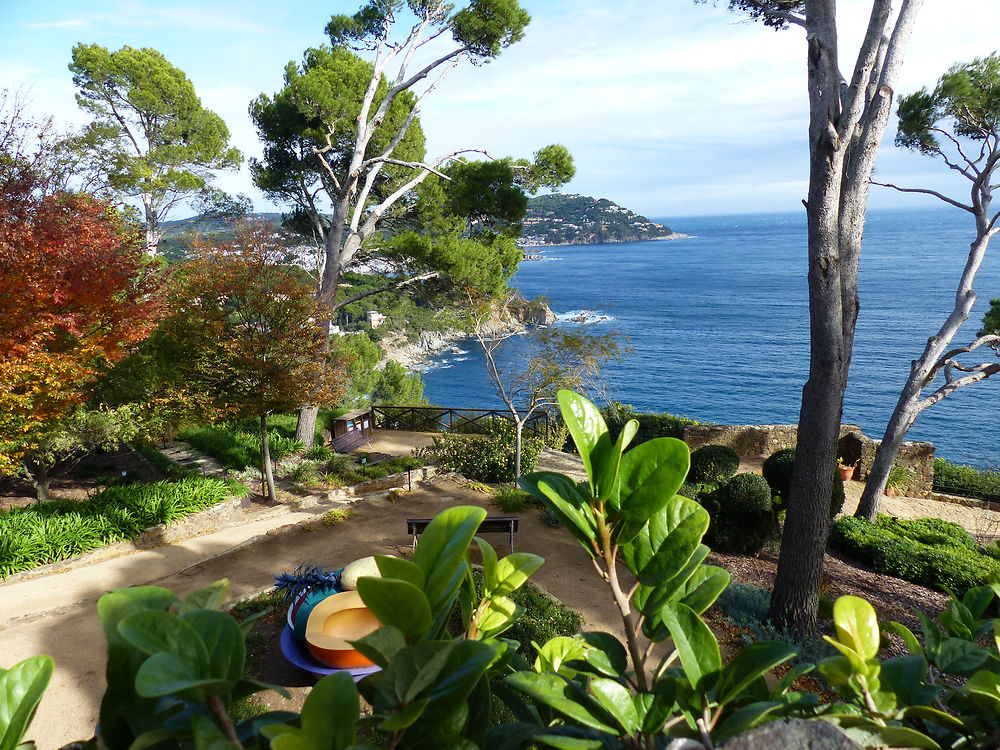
(334, 622)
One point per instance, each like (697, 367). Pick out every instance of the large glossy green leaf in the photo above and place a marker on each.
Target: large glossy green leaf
(696, 645)
(701, 590)
(210, 597)
(467, 662)
(555, 652)
(554, 691)
(585, 424)
(958, 656)
(563, 497)
(651, 474)
(207, 735)
(397, 567)
(650, 599)
(153, 632)
(606, 460)
(906, 676)
(21, 690)
(500, 614)
(744, 718)
(223, 640)
(607, 654)
(617, 701)
(165, 674)
(512, 571)
(329, 716)
(857, 625)
(664, 545)
(442, 549)
(397, 603)
(868, 733)
(752, 662)
(912, 644)
(381, 645)
(977, 600)
(489, 556)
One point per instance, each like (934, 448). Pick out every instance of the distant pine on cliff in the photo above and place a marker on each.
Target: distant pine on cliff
(559, 219)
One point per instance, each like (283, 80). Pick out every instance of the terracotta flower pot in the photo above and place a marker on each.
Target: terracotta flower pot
(846, 472)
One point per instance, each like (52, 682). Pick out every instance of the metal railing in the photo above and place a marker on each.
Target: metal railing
(440, 419)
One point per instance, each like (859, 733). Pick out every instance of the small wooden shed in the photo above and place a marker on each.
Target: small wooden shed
(351, 430)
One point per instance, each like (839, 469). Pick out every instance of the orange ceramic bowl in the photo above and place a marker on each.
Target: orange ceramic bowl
(333, 622)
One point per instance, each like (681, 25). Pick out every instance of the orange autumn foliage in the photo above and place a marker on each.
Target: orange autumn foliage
(75, 295)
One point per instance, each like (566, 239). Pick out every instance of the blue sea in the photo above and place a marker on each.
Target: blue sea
(718, 322)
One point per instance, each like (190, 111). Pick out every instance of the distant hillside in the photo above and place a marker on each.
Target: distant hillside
(580, 220)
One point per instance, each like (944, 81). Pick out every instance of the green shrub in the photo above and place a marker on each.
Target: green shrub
(930, 531)
(713, 463)
(56, 530)
(650, 425)
(544, 618)
(742, 515)
(306, 473)
(967, 481)
(319, 453)
(489, 458)
(777, 470)
(511, 499)
(891, 546)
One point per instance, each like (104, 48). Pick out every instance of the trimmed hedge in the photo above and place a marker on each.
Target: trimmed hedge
(713, 463)
(966, 481)
(777, 470)
(742, 515)
(944, 559)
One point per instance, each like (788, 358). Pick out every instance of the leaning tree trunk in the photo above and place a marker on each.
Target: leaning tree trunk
(923, 371)
(40, 480)
(265, 460)
(305, 428)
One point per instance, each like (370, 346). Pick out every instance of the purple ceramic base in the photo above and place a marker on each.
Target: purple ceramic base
(302, 659)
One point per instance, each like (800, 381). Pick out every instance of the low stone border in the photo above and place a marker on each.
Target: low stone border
(220, 516)
(968, 502)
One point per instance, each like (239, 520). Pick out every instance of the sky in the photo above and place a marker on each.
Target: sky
(669, 108)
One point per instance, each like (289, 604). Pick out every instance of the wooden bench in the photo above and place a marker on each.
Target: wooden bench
(490, 524)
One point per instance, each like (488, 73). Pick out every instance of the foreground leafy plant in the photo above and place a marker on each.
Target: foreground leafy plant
(21, 689)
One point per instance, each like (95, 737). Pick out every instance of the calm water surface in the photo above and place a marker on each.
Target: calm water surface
(719, 324)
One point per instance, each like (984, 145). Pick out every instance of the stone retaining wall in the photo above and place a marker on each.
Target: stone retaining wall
(854, 448)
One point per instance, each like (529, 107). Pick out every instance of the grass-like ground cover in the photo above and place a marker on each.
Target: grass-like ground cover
(236, 445)
(956, 479)
(47, 532)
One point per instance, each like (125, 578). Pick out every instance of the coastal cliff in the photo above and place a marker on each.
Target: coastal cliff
(559, 219)
(415, 355)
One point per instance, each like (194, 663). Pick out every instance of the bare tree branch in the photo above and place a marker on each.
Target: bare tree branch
(925, 191)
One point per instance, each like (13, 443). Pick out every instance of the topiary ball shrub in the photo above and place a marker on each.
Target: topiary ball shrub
(777, 471)
(713, 463)
(742, 515)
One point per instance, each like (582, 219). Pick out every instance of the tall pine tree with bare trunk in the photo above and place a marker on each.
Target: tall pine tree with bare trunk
(959, 123)
(343, 143)
(847, 119)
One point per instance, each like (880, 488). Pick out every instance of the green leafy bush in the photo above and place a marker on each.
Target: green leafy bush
(891, 546)
(742, 515)
(511, 499)
(777, 470)
(486, 458)
(59, 529)
(713, 463)
(650, 425)
(967, 481)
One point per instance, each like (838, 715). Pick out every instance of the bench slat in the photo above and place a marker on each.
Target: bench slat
(490, 524)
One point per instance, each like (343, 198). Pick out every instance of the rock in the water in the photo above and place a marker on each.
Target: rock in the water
(793, 734)
(365, 566)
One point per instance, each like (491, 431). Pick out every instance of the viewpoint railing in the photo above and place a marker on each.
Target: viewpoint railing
(440, 419)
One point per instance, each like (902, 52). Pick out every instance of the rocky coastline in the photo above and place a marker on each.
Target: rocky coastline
(416, 355)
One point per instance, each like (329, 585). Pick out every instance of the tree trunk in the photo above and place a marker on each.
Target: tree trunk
(40, 479)
(305, 428)
(265, 460)
(923, 370)
(518, 442)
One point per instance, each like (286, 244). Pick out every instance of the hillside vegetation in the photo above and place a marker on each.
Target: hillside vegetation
(559, 219)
